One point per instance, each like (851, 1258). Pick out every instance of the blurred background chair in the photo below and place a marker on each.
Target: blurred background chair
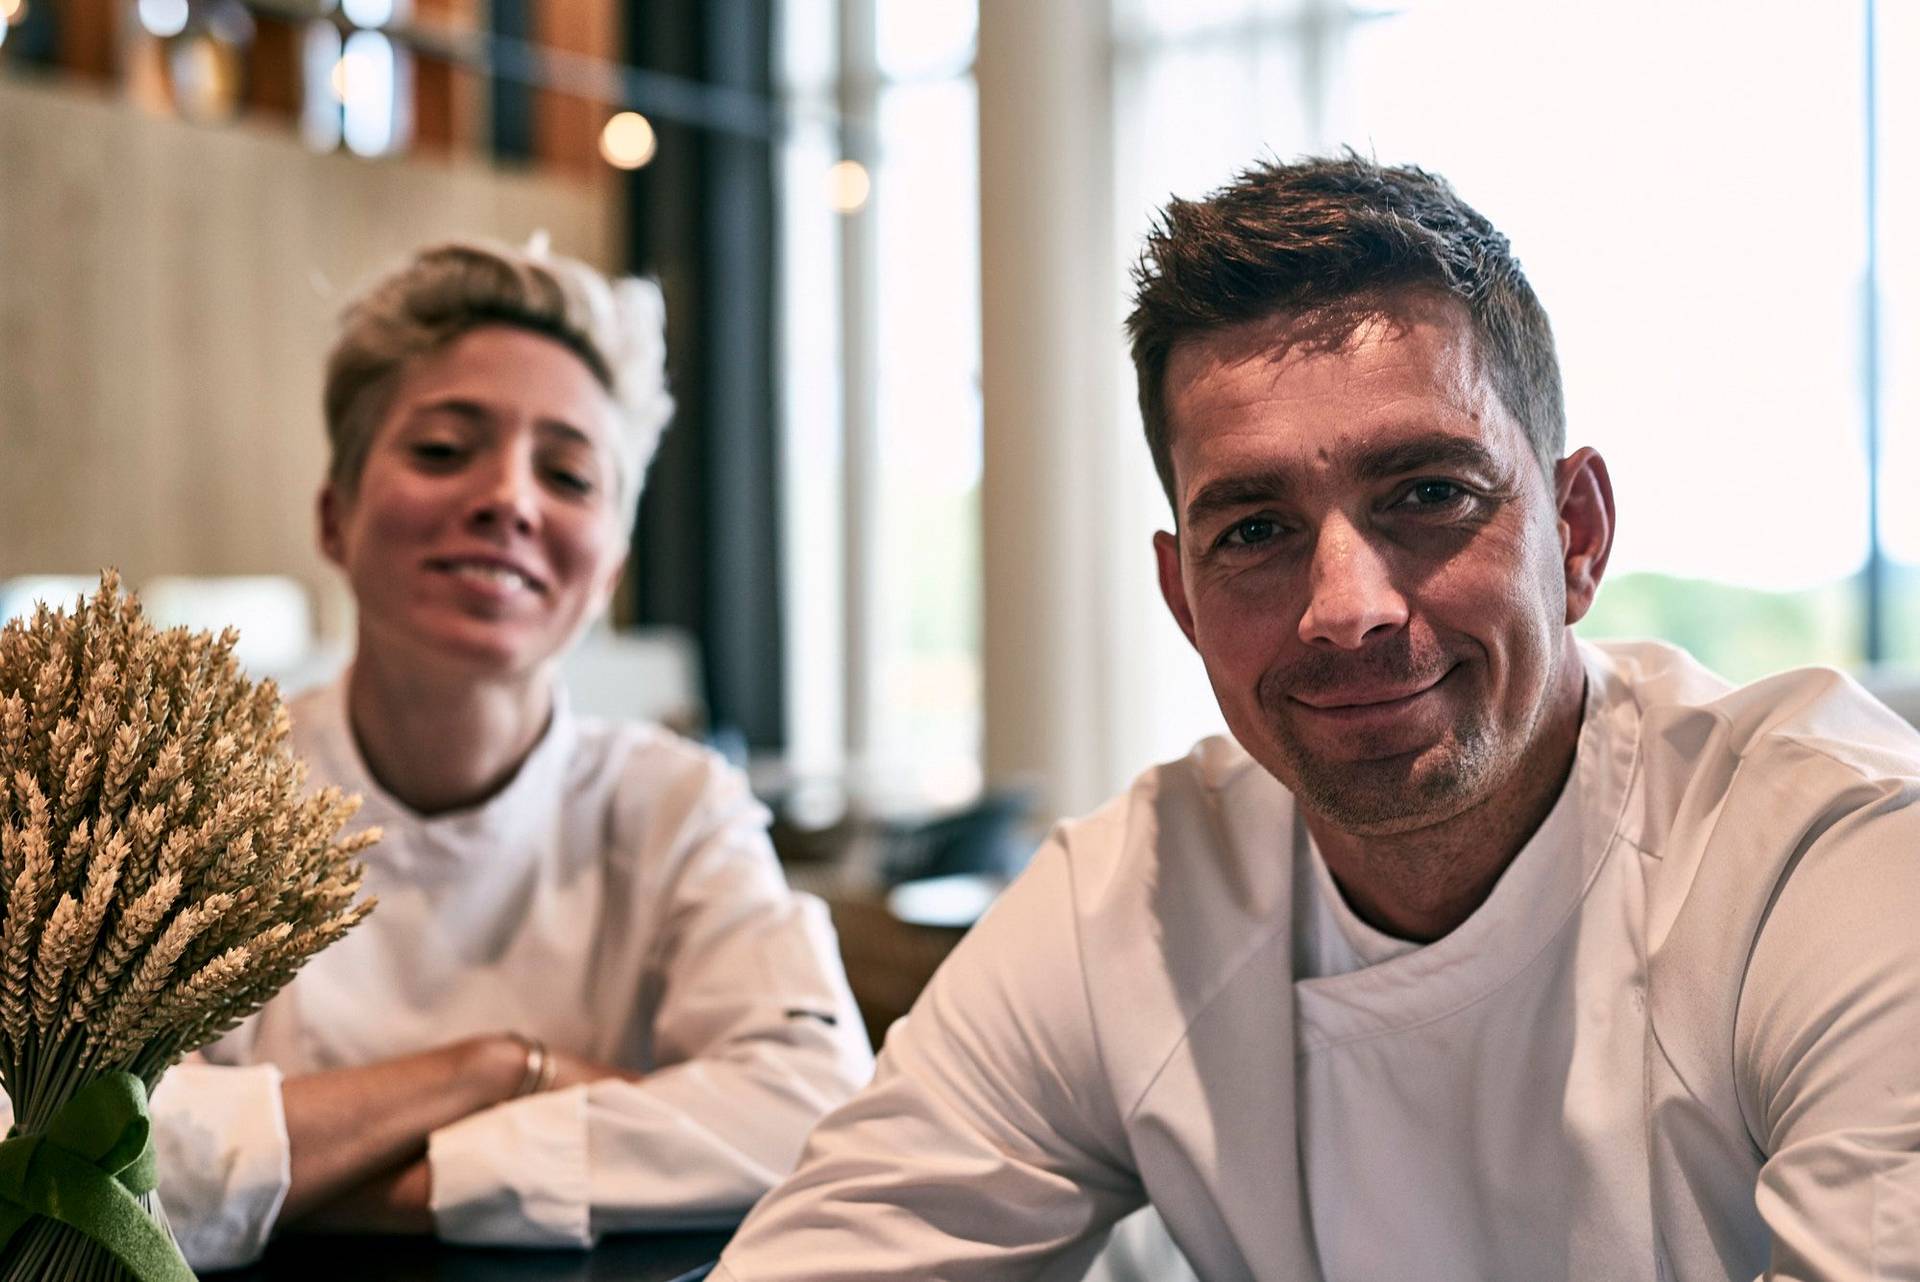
(643, 674)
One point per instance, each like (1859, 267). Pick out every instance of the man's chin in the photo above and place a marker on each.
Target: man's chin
(1388, 794)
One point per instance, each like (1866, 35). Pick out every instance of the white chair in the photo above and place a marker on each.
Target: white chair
(642, 674)
(272, 612)
(18, 596)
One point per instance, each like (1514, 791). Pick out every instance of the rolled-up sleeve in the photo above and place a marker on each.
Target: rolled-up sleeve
(220, 1138)
(759, 1038)
(515, 1175)
(220, 1134)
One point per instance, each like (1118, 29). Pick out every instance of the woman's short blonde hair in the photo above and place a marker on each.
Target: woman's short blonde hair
(616, 328)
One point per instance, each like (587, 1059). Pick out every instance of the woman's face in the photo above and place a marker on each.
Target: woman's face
(483, 530)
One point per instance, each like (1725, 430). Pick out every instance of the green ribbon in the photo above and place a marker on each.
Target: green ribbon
(88, 1170)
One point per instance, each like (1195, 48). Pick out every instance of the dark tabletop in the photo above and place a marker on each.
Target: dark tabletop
(639, 1257)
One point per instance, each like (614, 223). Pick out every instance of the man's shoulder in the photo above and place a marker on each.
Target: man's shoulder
(1693, 720)
(1206, 837)
(1781, 825)
(1213, 821)
(1741, 789)
(1176, 886)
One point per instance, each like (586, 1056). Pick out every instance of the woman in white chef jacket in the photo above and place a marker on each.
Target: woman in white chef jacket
(587, 1000)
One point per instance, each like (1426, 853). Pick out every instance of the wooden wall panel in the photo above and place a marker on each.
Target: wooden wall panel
(449, 101)
(167, 293)
(567, 126)
(89, 37)
(272, 85)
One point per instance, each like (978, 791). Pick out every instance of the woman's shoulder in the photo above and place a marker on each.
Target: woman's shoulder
(655, 782)
(617, 744)
(318, 734)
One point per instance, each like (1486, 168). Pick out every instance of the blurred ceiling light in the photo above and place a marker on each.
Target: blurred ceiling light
(205, 74)
(627, 141)
(337, 79)
(368, 13)
(163, 18)
(12, 13)
(848, 187)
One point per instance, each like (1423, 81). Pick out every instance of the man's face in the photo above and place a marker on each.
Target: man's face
(1369, 561)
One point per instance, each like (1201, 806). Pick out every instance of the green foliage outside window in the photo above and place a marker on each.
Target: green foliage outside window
(1741, 633)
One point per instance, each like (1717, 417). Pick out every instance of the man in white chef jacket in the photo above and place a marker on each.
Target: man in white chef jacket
(1476, 952)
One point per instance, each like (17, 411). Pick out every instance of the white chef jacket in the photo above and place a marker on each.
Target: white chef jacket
(618, 899)
(1680, 1040)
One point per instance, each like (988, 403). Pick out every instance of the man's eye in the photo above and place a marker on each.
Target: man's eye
(1431, 493)
(571, 482)
(435, 451)
(1255, 529)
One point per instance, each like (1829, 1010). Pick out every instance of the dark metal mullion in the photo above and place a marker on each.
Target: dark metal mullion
(510, 100)
(743, 581)
(702, 217)
(668, 558)
(36, 39)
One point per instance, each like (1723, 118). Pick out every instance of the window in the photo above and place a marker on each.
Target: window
(881, 287)
(1897, 276)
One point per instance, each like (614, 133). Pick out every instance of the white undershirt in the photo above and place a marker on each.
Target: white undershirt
(1330, 939)
(1517, 1038)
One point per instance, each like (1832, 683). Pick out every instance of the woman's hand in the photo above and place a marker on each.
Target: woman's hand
(349, 1125)
(358, 1136)
(400, 1201)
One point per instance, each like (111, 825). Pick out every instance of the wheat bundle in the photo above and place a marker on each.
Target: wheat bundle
(163, 872)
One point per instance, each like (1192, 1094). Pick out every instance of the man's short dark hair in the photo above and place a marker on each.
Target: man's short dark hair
(1332, 239)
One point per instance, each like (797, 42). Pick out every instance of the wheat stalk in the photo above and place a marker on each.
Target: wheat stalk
(163, 871)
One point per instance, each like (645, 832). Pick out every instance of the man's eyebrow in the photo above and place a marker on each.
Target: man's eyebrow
(1438, 450)
(1259, 485)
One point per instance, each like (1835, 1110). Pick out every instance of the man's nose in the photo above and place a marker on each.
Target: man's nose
(1353, 595)
(506, 496)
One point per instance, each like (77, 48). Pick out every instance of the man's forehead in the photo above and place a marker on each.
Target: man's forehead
(1285, 338)
(1328, 376)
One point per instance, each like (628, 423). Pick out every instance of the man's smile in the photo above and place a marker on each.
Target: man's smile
(1357, 698)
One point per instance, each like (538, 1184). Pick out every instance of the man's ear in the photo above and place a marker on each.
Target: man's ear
(1583, 494)
(330, 510)
(1173, 589)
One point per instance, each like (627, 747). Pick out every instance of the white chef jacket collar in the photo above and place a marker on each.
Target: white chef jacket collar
(508, 820)
(1534, 899)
